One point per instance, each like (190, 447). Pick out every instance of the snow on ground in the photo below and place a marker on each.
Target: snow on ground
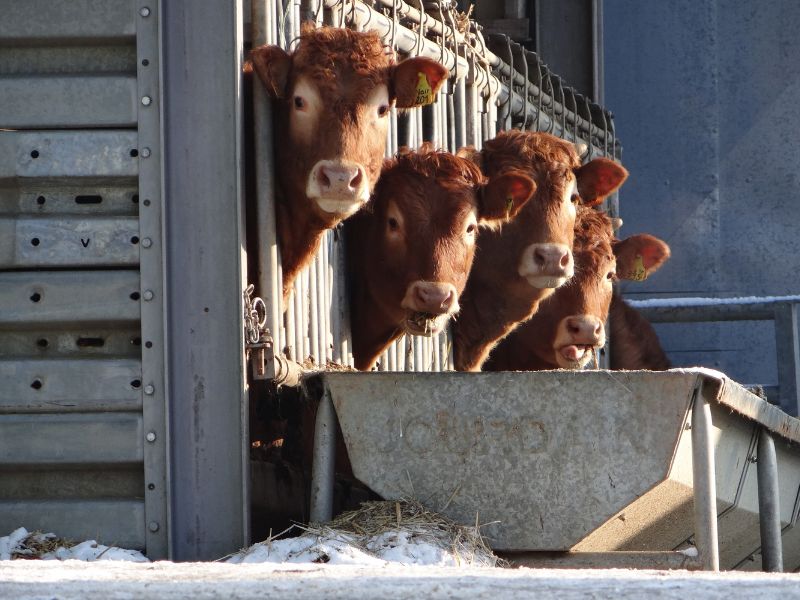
(166, 581)
(47, 546)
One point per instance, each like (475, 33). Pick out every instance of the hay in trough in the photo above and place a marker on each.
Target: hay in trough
(36, 544)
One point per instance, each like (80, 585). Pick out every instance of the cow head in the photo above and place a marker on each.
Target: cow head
(573, 319)
(539, 241)
(418, 238)
(334, 93)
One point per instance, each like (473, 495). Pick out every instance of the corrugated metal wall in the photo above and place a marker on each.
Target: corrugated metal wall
(82, 427)
(715, 174)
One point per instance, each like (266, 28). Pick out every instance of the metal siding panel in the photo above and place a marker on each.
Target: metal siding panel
(67, 242)
(204, 229)
(70, 439)
(38, 298)
(65, 20)
(68, 154)
(72, 385)
(68, 101)
(111, 522)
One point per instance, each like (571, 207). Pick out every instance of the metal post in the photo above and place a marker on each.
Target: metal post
(788, 351)
(769, 510)
(322, 470)
(704, 476)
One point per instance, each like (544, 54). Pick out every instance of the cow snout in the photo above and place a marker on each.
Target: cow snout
(431, 297)
(546, 265)
(338, 186)
(585, 330)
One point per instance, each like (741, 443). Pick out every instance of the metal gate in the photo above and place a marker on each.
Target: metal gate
(495, 84)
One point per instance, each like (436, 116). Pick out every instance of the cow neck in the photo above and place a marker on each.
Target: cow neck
(300, 230)
(372, 330)
(477, 331)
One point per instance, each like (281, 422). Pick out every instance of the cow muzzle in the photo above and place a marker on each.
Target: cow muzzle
(338, 187)
(428, 307)
(578, 337)
(546, 265)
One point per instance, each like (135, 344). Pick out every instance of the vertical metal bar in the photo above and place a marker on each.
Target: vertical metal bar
(769, 510)
(151, 266)
(314, 308)
(322, 468)
(459, 124)
(788, 351)
(205, 234)
(598, 74)
(704, 478)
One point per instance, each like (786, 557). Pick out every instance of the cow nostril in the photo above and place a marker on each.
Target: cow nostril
(323, 179)
(598, 329)
(565, 260)
(356, 180)
(448, 300)
(539, 257)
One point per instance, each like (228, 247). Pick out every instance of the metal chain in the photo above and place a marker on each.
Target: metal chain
(255, 316)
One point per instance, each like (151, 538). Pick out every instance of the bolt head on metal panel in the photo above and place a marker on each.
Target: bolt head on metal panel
(145, 152)
(148, 295)
(150, 437)
(146, 100)
(144, 11)
(147, 242)
(149, 390)
(153, 526)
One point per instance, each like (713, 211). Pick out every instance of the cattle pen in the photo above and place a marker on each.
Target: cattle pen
(140, 300)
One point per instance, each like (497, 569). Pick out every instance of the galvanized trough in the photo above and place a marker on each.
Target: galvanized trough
(601, 463)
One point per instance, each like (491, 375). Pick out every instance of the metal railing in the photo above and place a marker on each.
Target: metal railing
(494, 84)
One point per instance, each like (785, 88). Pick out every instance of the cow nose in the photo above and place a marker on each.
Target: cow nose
(585, 330)
(552, 259)
(433, 297)
(336, 178)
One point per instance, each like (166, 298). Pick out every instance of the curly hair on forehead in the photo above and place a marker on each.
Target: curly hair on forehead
(594, 235)
(321, 51)
(440, 165)
(529, 148)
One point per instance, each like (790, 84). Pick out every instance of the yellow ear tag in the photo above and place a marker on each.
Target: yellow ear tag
(424, 91)
(509, 206)
(639, 271)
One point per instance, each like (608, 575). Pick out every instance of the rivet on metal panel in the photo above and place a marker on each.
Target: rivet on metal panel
(147, 242)
(144, 11)
(149, 389)
(146, 100)
(150, 437)
(153, 526)
(148, 295)
(145, 152)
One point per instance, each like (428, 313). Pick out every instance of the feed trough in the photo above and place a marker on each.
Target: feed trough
(592, 463)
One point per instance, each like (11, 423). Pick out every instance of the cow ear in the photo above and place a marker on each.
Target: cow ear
(272, 65)
(504, 196)
(415, 81)
(471, 154)
(640, 255)
(598, 178)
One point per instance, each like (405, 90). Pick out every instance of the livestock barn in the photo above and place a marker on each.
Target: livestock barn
(161, 390)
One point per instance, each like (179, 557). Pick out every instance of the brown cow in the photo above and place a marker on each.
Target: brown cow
(411, 249)
(634, 343)
(569, 327)
(521, 264)
(333, 96)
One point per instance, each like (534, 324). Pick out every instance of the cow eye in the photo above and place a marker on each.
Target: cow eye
(575, 198)
(299, 103)
(383, 110)
(471, 228)
(611, 276)
(393, 224)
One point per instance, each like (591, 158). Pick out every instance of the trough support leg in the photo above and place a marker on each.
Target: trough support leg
(788, 348)
(322, 469)
(705, 492)
(769, 513)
